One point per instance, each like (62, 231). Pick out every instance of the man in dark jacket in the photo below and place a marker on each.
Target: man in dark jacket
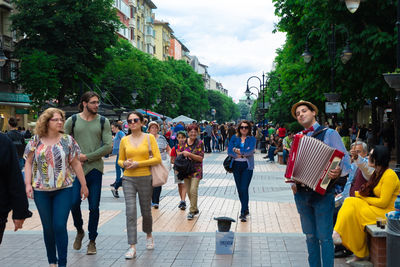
(18, 139)
(12, 189)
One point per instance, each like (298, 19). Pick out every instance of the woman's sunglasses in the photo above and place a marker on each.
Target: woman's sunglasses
(135, 120)
(244, 127)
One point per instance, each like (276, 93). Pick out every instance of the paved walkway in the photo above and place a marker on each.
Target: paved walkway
(271, 236)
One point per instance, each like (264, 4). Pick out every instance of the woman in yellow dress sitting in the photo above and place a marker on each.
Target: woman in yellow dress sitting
(374, 200)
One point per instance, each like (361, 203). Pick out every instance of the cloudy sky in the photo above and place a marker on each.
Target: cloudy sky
(234, 38)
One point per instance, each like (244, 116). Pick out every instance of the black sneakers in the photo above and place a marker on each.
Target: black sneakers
(114, 192)
(182, 205)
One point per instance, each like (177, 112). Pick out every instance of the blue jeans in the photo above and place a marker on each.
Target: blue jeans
(93, 181)
(118, 171)
(316, 215)
(54, 207)
(285, 156)
(155, 199)
(242, 176)
(271, 152)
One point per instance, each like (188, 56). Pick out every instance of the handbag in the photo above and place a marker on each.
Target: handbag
(158, 172)
(184, 167)
(228, 164)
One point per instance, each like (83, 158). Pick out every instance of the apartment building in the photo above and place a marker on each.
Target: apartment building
(163, 39)
(13, 103)
(217, 86)
(175, 48)
(137, 16)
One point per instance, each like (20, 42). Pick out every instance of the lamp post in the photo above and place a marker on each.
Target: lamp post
(345, 56)
(260, 90)
(3, 57)
(393, 80)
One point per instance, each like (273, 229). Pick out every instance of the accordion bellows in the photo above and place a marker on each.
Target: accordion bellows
(310, 161)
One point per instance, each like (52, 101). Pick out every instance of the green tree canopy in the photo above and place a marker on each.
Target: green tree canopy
(73, 34)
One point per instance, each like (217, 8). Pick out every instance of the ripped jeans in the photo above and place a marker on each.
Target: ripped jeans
(316, 215)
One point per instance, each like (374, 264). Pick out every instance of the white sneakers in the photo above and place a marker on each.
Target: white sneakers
(150, 243)
(130, 254)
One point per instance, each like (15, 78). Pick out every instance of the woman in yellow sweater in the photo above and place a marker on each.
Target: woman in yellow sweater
(374, 200)
(134, 158)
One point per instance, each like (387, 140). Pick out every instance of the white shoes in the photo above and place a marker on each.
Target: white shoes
(130, 254)
(150, 243)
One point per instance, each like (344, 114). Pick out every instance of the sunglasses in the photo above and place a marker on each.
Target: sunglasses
(244, 127)
(135, 120)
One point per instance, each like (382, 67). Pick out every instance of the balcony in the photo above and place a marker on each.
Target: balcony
(6, 4)
(149, 39)
(132, 23)
(132, 3)
(8, 43)
(149, 20)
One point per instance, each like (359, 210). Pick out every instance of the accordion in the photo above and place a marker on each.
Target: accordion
(309, 162)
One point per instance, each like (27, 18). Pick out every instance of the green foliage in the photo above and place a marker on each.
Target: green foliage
(226, 109)
(244, 110)
(295, 127)
(372, 41)
(73, 33)
(171, 81)
(39, 75)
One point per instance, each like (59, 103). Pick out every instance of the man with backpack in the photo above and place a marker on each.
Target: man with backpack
(93, 134)
(18, 139)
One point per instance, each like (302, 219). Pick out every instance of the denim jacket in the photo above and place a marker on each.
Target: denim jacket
(248, 150)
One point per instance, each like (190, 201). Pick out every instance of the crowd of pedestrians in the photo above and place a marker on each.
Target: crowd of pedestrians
(63, 165)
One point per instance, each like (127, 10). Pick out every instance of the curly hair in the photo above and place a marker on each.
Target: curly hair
(43, 122)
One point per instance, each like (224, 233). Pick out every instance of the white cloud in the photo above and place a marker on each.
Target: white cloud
(234, 38)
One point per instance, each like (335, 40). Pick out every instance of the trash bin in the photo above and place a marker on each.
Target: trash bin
(224, 239)
(393, 239)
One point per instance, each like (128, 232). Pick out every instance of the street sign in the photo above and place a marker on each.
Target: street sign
(332, 107)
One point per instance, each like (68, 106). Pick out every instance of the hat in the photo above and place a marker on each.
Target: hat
(303, 102)
(153, 123)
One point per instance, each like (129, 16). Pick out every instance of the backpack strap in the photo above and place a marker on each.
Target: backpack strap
(74, 117)
(150, 151)
(102, 121)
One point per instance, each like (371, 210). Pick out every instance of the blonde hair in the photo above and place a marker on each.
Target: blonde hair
(43, 122)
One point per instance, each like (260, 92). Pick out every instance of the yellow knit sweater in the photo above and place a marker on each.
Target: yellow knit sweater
(140, 154)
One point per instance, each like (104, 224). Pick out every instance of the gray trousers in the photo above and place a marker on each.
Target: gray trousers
(142, 186)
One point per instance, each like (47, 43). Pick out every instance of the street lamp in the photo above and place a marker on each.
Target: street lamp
(393, 80)
(3, 57)
(260, 91)
(352, 5)
(134, 95)
(345, 56)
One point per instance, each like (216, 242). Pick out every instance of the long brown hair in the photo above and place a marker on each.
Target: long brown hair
(380, 157)
(240, 124)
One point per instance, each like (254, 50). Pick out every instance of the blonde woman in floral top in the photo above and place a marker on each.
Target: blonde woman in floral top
(51, 161)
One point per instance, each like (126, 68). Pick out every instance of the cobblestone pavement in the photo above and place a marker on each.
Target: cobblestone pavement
(271, 237)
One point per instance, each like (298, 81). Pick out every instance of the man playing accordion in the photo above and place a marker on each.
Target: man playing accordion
(316, 210)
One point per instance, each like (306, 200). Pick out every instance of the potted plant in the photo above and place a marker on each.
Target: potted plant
(393, 79)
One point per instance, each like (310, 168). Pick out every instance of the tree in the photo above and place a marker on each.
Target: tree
(226, 109)
(73, 34)
(372, 38)
(244, 110)
(172, 81)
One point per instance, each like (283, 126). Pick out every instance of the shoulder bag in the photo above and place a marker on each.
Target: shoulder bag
(158, 172)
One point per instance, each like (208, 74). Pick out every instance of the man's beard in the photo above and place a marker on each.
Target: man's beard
(91, 111)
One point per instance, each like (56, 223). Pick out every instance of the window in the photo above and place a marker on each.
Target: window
(13, 70)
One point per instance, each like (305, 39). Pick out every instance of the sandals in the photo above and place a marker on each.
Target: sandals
(130, 254)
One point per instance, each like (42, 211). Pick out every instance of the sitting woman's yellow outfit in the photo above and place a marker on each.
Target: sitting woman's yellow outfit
(359, 211)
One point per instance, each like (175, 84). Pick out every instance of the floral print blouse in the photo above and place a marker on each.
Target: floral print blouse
(51, 169)
(197, 150)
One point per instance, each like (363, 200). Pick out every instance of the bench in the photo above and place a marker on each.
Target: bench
(376, 238)
(280, 157)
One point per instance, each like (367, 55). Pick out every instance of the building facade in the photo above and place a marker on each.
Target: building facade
(137, 17)
(175, 49)
(13, 103)
(163, 39)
